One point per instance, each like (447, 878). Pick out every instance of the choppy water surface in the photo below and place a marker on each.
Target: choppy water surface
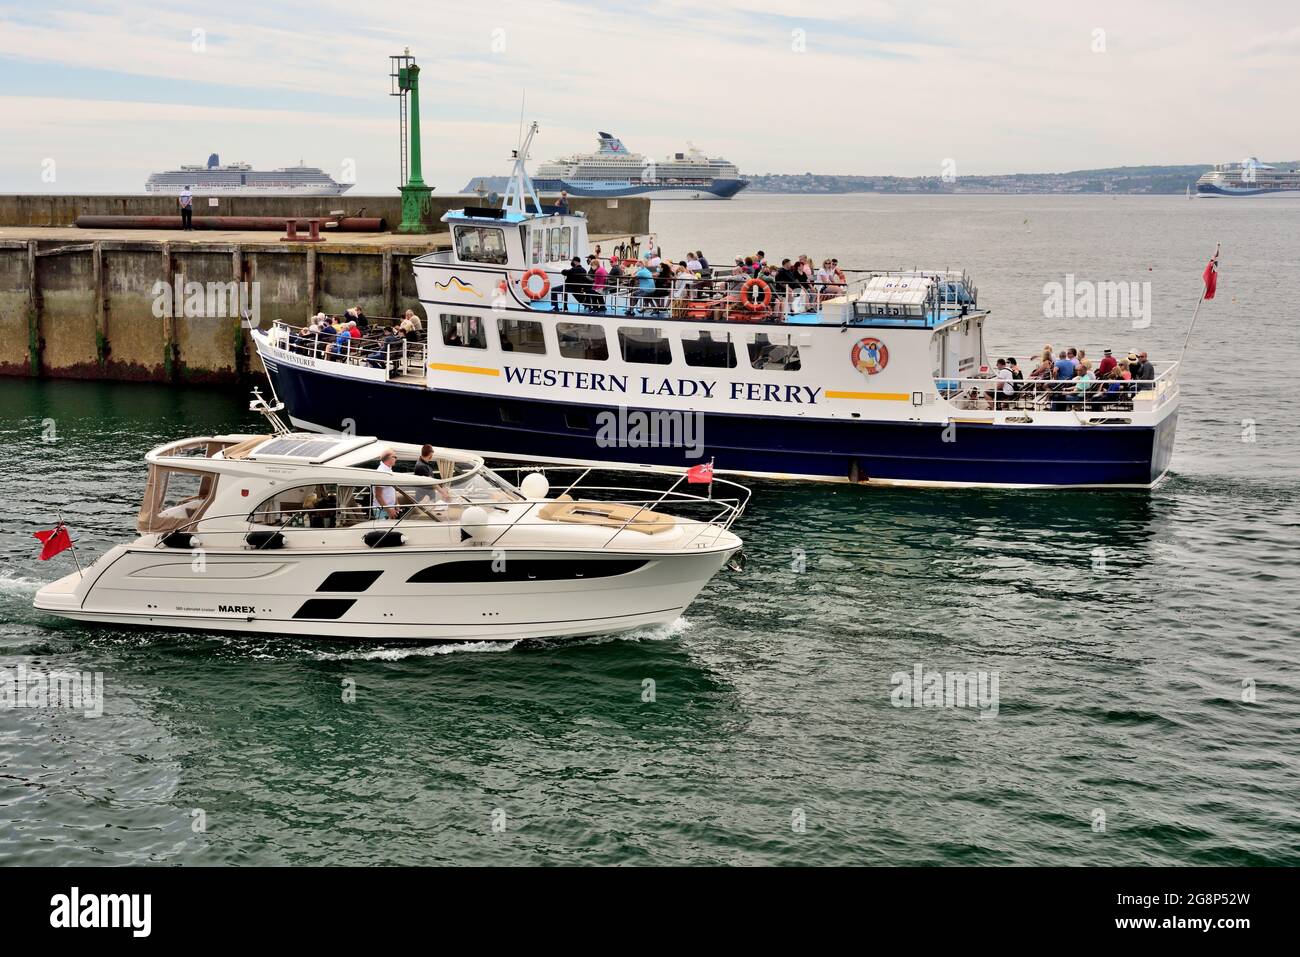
(772, 738)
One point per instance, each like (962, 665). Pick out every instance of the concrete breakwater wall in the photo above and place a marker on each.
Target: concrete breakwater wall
(91, 303)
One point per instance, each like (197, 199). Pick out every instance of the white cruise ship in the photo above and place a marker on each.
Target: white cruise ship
(613, 171)
(236, 179)
(1250, 177)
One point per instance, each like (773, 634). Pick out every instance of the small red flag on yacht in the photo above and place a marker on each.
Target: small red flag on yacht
(1211, 275)
(53, 541)
(701, 474)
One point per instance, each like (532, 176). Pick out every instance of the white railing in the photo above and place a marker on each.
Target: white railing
(640, 508)
(406, 357)
(987, 393)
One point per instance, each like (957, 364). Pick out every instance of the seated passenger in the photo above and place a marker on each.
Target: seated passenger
(389, 351)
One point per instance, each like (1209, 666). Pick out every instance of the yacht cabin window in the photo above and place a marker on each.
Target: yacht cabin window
(174, 498)
(644, 344)
(481, 244)
(465, 331)
(581, 340)
(521, 335)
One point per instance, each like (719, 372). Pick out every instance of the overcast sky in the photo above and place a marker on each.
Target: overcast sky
(97, 95)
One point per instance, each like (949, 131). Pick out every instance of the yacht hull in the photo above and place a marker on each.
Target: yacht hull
(493, 595)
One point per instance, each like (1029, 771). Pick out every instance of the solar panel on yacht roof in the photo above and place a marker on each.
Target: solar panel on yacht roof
(298, 448)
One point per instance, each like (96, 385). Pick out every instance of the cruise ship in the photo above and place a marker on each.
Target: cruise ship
(235, 179)
(612, 171)
(1250, 177)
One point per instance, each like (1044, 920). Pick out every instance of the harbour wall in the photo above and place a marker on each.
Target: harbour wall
(86, 303)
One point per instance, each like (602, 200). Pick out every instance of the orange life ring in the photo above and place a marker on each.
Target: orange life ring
(750, 304)
(527, 287)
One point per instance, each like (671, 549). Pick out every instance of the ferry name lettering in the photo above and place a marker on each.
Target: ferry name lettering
(663, 386)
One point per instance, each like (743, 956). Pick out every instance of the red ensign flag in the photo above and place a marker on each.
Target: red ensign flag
(701, 474)
(1211, 276)
(53, 541)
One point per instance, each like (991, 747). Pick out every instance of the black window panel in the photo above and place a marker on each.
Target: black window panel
(644, 345)
(523, 570)
(326, 609)
(709, 352)
(350, 581)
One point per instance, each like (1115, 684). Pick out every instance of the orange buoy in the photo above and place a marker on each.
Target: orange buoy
(527, 286)
(763, 301)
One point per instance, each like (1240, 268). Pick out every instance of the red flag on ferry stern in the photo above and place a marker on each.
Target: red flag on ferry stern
(1211, 276)
(701, 474)
(53, 541)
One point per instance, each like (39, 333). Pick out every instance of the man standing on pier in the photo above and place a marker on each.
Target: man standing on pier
(186, 199)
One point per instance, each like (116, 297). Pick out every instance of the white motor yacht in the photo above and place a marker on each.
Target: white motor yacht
(290, 533)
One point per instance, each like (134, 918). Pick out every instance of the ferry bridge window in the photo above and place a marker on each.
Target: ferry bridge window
(701, 349)
(782, 354)
(644, 344)
(465, 331)
(521, 335)
(481, 244)
(580, 340)
(537, 246)
(565, 249)
(551, 236)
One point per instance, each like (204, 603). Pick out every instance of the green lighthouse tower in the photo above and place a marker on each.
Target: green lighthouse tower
(416, 216)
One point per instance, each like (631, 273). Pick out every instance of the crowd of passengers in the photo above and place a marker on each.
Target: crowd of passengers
(353, 336)
(692, 287)
(1062, 379)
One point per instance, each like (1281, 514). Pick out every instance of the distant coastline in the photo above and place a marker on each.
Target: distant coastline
(1116, 180)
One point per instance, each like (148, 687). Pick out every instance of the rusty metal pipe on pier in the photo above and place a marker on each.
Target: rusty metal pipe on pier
(345, 224)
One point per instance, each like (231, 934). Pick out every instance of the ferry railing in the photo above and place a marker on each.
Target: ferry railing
(407, 357)
(986, 393)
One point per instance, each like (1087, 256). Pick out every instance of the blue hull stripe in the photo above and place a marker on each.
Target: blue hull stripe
(815, 448)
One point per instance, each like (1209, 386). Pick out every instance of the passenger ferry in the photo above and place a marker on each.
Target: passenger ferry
(240, 179)
(612, 172)
(1250, 177)
(887, 381)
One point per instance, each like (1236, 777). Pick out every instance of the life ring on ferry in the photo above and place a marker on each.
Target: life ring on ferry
(760, 304)
(527, 287)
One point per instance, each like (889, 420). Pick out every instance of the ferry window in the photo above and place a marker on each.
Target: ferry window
(537, 246)
(521, 335)
(580, 340)
(481, 244)
(551, 236)
(701, 349)
(766, 354)
(564, 243)
(644, 344)
(465, 331)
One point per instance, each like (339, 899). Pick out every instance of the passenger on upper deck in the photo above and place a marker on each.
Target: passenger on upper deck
(562, 205)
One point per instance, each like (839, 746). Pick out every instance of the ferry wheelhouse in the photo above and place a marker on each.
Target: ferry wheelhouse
(886, 382)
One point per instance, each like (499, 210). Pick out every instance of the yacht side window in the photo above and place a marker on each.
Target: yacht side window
(174, 498)
(781, 355)
(521, 335)
(313, 506)
(481, 244)
(701, 349)
(644, 344)
(581, 340)
(466, 331)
